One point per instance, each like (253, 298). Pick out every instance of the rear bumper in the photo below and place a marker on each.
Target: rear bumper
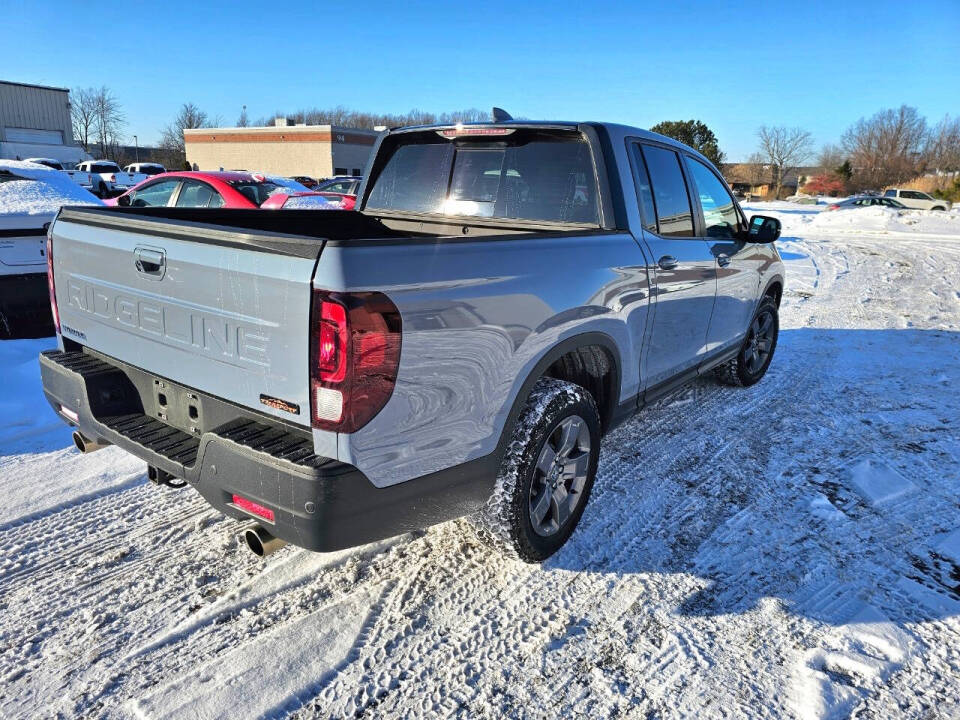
(318, 503)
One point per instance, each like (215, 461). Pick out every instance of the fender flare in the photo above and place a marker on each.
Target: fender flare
(776, 279)
(547, 359)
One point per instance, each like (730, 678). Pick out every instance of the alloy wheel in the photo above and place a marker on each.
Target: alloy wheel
(559, 476)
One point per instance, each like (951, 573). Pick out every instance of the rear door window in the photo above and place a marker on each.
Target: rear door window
(154, 195)
(196, 194)
(720, 216)
(648, 211)
(674, 214)
(528, 175)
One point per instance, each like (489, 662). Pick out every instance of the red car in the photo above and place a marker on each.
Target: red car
(235, 190)
(342, 200)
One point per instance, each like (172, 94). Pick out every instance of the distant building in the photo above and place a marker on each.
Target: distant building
(314, 150)
(35, 122)
(757, 180)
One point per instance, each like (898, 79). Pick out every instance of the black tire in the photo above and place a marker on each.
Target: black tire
(554, 411)
(942, 209)
(102, 190)
(744, 370)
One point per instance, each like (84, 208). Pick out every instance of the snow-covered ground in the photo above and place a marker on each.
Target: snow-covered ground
(789, 550)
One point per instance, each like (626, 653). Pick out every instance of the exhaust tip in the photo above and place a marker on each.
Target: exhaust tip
(261, 542)
(86, 445)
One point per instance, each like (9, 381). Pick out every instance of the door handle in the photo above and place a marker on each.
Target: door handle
(723, 260)
(668, 262)
(150, 262)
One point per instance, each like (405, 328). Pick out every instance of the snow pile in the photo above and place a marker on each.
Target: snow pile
(43, 191)
(881, 219)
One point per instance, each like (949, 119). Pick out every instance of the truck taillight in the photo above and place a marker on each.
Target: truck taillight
(113, 178)
(50, 285)
(354, 356)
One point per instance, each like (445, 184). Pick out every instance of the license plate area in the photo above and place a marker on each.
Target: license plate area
(177, 406)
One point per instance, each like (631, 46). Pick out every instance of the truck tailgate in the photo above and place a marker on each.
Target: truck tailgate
(192, 304)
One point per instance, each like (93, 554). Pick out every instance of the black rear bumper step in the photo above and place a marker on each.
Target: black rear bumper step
(318, 503)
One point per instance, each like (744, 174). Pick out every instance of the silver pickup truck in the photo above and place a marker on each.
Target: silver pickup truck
(504, 295)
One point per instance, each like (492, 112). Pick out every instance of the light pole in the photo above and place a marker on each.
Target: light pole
(136, 149)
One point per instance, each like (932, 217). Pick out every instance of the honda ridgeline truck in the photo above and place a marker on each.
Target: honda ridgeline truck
(504, 295)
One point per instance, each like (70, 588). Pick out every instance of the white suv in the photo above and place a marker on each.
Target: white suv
(918, 200)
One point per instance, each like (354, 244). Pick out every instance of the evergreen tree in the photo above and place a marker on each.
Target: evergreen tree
(695, 134)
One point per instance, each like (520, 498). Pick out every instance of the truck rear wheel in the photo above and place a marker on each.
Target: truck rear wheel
(547, 473)
(757, 350)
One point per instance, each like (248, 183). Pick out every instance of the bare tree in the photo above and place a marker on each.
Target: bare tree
(345, 117)
(785, 149)
(189, 117)
(109, 121)
(942, 149)
(83, 116)
(757, 169)
(886, 148)
(831, 157)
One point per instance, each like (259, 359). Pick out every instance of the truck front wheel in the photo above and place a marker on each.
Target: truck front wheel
(546, 474)
(757, 350)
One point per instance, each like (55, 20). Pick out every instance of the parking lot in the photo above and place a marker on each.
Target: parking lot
(787, 551)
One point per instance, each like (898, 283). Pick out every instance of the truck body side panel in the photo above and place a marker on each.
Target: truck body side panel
(477, 317)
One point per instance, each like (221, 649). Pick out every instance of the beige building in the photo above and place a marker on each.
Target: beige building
(35, 122)
(315, 150)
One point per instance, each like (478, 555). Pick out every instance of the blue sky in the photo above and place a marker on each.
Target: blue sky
(819, 66)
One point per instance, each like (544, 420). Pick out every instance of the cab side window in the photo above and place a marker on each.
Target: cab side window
(670, 197)
(719, 211)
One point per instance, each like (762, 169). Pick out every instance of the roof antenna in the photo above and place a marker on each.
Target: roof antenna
(500, 115)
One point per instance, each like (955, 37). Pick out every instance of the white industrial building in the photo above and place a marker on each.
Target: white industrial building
(35, 122)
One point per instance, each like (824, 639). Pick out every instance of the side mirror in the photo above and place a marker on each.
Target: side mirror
(123, 200)
(763, 229)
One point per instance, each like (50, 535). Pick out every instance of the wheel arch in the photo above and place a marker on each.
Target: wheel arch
(774, 288)
(549, 358)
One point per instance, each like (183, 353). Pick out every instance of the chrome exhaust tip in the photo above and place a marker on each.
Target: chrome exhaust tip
(261, 542)
(86, 445)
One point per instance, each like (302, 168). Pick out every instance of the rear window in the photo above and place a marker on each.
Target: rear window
(890, 193)
(104, 168)
(257, 192)
(530, 175)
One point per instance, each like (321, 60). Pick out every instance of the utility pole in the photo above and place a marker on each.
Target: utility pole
(136, 148)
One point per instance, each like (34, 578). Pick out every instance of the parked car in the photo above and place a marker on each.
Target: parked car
(108, 178)
(223, 189)
(866, 201)
(917, 200)
(458, 345)
(84, 180)
(343, 202)
(51, 163)
(300, 201)
(306, 181)
(145, 168)
(342, 190)
(30, 196)
(342, 185)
